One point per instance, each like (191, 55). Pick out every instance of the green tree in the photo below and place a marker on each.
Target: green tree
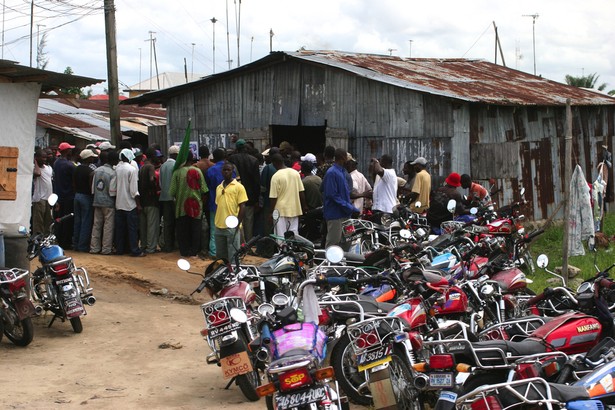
(41, 55)
(585, 81)
(76, 91)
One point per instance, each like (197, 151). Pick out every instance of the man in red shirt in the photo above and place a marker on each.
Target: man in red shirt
(476, 191)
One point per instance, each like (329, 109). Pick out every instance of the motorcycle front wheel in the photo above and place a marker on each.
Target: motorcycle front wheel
(406, 396)
(20, 332)
(75, 322)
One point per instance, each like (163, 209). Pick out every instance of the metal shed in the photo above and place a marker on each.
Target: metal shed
(463, 115)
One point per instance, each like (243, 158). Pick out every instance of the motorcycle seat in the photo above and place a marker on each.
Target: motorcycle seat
(293, 354)
(561, 392)
(354, 257)
(492, 355)
(369, 305)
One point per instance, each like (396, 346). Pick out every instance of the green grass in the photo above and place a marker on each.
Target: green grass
(550, 243)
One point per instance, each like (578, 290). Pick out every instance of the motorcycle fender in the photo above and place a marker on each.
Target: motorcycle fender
(446, 400)
(71, 299)
(382, 389)
(24, 308)
(234, 359)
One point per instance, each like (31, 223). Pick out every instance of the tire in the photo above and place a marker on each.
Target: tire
(247, 384)
(351, 381)
(20, 332)
(406, 396)
(75, 322)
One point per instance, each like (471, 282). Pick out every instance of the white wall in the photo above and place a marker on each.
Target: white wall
(18, 107)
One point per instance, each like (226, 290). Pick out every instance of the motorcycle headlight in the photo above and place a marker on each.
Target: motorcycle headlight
(487, 289)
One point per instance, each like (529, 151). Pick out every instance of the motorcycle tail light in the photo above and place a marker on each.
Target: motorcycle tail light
(217, 318)
(487, 403)
(441, 361)
(324, 318)
(367, 340)
(349, 230)
(324, 373)
(17, 285)
(551, 368)
(527, 371)
(294, 379)
(61, 269)
(265, 390)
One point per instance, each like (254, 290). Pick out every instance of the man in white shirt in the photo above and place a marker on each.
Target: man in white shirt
(43, 187)
(126, 205)
(385, 188)
(361, 188)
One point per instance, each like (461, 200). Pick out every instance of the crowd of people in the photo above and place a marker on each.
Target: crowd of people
(129, 200)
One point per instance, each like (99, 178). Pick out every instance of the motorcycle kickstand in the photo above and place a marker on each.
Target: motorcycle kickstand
(229, 383)
(53, 319)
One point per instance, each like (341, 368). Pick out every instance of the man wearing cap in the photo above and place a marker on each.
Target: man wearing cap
(438, 211)
(63, 169)
(105, 145)
(127, 204)
(167, 240)
(149, 218)
(421, 187)
(247, 167)
(82, 181)
(104, 203)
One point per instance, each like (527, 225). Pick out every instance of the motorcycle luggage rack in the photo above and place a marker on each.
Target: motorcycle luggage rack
(12, 275)
(336, 302)
(84, 282)
(538, 387)
(525, 326)
(67, 265)
(395, 325)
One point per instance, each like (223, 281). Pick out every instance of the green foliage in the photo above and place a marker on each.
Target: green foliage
(550, 243)
(76, 91)
(585, 81)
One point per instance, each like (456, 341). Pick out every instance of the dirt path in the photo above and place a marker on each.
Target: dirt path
(118, 361)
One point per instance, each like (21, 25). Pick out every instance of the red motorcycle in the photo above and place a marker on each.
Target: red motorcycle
(16, 309)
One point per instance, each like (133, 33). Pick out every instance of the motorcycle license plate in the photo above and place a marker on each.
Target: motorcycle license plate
(235, 364)
(374, 358)
(222, 330)
(312, 395)
(441, 379)
(74, 308)
(24, 308)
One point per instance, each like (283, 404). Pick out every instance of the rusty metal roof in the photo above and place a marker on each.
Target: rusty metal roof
(468, 80)
(12, 72)
(464, 79)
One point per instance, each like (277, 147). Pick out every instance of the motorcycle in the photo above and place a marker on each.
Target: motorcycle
(58, 285)
(296, 350)
(16, 309)
(228, 323)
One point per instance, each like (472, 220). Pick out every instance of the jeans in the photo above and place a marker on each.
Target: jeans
(149, 221)
(227, 242)
(188, 235)
(127, 221)
(212, 233)
(82, 229)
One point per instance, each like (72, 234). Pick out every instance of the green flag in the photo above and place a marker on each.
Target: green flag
(183, 150)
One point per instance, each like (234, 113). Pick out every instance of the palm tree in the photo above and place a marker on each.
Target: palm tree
(586, 81)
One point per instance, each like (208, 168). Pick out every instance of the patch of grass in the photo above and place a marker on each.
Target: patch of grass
(551, 244)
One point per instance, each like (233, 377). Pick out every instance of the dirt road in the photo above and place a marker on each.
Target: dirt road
(137, 350)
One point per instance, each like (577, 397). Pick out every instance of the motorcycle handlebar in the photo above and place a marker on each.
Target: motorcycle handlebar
(606, 283)
(540, 297)
(408, 246)
(64, 218)
(532, 235)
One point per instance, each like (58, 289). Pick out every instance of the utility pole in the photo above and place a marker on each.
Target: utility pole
(139, 66)
(31, 28)
(270, 40)
(228, 40)
(391, 51)
(498, 46)
(3, 16)
(112, 80)
(410, 54)
(151, 55)
(251, 45)
(238, 23)
(156, 63)
(534, 17)
(192, 64)
(567, 175)
(213, 24)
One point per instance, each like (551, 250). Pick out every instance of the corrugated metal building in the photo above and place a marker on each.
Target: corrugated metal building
(467, 116)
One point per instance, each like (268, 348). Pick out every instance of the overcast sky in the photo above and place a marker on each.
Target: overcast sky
(572, 37)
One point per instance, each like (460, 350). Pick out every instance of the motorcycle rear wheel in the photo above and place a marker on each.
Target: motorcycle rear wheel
(406, 396)
(20, 332)
(75, 322)
(349, 378)
(247, 384)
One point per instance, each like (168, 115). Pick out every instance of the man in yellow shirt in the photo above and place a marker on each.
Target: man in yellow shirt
(421, 187)
(287, 196)
(231, 197)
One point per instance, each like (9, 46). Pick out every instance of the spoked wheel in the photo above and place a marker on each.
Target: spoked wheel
(406, 396)
(20, 332)
(248, 383)
(75, 322)
(350, 379)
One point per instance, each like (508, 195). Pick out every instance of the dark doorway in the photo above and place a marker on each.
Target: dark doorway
(304, 139)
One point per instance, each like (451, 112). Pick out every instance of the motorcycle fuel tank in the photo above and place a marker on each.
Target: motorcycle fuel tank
(411, 311)
(50, 253)
(511, 279)
(570, 333)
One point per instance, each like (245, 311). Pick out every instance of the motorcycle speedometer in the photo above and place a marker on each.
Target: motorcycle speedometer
(585, 287)
(266, 309)
(280, 299)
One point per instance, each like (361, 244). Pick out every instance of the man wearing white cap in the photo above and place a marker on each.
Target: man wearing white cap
(422, 186)
(126, 205)
(84, 214)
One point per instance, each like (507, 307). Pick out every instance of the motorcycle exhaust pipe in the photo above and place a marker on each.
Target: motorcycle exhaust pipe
(262, 354)
(38, 310)
(421, 381)
(90, 300)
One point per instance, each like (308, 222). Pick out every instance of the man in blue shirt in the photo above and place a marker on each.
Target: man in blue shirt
(336, 198)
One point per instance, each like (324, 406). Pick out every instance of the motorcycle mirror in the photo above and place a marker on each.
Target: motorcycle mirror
(418, 204)
(473, 210)
(451, 206)
(405, 233)
(420, 232)
(542, 261)
(22, 230)
(231, 221)
(522, 192)
(52, 200)
(334, 254)
(275, 215)
(238, 315)
(183, 264)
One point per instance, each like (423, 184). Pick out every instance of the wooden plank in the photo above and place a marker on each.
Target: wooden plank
(8, 173)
